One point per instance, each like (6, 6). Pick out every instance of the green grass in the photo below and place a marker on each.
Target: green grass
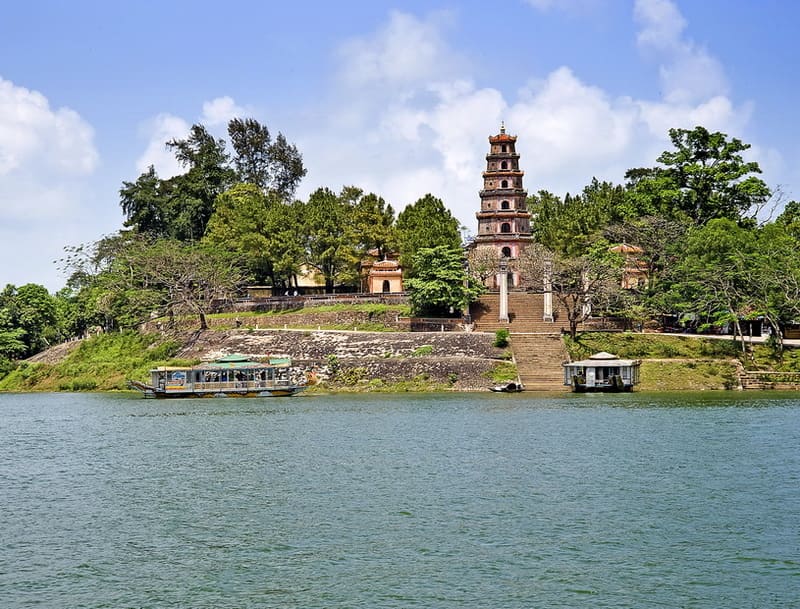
(651, 346)
(102, 363)
(503, 372)
(696, 375)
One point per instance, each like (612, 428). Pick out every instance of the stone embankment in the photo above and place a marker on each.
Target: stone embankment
(461, 361)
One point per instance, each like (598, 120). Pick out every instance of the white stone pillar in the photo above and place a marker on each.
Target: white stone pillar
(548, 292)
(503, 279)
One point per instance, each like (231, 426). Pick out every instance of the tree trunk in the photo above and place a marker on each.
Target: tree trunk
(203, 324)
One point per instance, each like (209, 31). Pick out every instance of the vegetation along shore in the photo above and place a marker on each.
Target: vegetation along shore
(223, 258)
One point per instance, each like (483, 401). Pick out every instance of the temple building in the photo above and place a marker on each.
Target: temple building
(504, 222)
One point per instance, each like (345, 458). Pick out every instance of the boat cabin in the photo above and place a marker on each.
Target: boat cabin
(602, 372)
(230, 376)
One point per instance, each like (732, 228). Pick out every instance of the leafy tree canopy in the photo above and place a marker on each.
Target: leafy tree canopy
(441, 286)
(704, 177)
(426, 223)
(272, 166)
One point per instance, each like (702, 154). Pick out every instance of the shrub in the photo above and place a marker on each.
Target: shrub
(501, 338)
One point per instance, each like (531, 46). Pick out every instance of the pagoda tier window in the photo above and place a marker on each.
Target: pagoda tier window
(504, 205)
(506, 252)
(505, 227)
(503, 165)
(504, 148)
(504, 184)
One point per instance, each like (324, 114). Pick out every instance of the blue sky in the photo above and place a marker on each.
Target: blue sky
(397, 98)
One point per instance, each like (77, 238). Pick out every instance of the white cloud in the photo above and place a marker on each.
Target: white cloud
(688, 73)
(429, 134)
(166, 127)
(160, 130)
(569, 6)
(405, 53)
(34, 136)
(47, 156)
(218, 112)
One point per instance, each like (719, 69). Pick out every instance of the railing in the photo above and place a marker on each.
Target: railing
(434, 324)
(228, 385)
(280, 303)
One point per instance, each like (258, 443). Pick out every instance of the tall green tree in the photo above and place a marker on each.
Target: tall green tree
(29, 314)
(704, 177)
(426, 223)
(273, 166)
(371, 222)
(713, 280)
(441, 286)
(327, 242)
(146, 205)
(192, 194)
(181, 206)
(261, 229)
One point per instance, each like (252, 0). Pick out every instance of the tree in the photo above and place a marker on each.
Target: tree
(790, 219)
(192, 194)
(713, 280)
(271, 166)
(328, 243)
(28, 314)
(145, 206)
(371, 223)
(577, 282)
(704, 177)
(261, 229)
(483, 262)
(572, 225)
(181, 206)
(441, 285)
(178, 278)
(425, 224)
(12, 339)
(130, 278)
(659, 238)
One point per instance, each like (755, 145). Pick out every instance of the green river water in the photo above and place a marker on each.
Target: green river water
(435, 500)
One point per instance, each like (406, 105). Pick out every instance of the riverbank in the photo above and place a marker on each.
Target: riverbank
(378, 361)
(334, 360)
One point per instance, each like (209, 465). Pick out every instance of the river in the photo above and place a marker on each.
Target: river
(434, 500)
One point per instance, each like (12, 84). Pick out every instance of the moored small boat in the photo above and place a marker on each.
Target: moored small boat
(229, 376)
(510, 387)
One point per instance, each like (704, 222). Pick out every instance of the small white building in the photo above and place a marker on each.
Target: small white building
(602, 372)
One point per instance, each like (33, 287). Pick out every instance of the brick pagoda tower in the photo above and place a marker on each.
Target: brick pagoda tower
(504, 222)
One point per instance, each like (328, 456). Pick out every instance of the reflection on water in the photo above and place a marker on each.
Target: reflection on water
(445, 500)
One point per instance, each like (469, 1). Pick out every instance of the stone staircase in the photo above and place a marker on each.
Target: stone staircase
(536, 344)
(525, 312)
(539, 358)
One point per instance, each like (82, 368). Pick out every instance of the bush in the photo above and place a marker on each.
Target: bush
(501, 338)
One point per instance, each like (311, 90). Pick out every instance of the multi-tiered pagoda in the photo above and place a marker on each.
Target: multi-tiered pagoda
(504, 222)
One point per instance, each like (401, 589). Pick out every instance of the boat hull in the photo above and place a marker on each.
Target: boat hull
(261, 392)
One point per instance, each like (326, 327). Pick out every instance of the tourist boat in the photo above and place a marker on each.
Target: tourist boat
(510, 387)
(229, 376)
(602, 372)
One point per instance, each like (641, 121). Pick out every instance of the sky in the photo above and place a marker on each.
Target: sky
(397, 98)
